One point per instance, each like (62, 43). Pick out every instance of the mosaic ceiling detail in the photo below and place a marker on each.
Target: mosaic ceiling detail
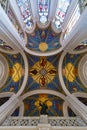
(43, 73)
(43, 40)
(43, 104)
(15, 76)
(70, 73)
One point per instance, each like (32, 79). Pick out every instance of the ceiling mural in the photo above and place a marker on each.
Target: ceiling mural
(43, 73)
(43, 40)
(16, 71)
(70, 73)
(43, 104)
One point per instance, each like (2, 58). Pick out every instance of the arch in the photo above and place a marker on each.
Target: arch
(6, 94)
(80, 94)
(45, 91)
(65, 109)
(43, 54)
(25, 74)
(60, 73)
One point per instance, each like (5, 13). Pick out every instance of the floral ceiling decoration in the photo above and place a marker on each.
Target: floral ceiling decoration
(43, 72)
(43, 40)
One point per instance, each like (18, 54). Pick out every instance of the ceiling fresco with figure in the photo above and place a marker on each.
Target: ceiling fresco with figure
(43, 104)
(43, 40)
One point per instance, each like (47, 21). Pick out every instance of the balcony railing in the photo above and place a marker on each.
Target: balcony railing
(43, 119)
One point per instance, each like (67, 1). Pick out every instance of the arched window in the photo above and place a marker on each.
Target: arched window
(61, 11)
(26, 13)
(43, 10)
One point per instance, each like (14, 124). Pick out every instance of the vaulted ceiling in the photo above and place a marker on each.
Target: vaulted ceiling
(44, 78)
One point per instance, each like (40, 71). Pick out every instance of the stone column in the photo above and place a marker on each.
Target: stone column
(8, 108)
(78, 108)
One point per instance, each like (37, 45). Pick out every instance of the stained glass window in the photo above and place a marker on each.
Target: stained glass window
(61, 11)
(43, 10)
(26, 12)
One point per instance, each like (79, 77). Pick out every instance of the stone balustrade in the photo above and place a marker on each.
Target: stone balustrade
(43, 119)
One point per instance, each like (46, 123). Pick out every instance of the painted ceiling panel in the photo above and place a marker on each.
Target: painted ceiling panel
(43, 104)
(43, 73)
(43, 40)
(70, 73)
(16, 70)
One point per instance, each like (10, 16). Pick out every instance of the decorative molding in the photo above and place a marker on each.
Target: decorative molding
(4, 70)
(80, 94)
(65, 109)
(45, 91)
(60, 73)
(82, 70)
(43, 53)
(43, 26)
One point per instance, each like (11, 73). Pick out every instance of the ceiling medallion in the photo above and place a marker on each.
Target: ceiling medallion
(43, 72)
(43, 46)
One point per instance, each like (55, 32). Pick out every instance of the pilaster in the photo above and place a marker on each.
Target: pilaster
(79, 108)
